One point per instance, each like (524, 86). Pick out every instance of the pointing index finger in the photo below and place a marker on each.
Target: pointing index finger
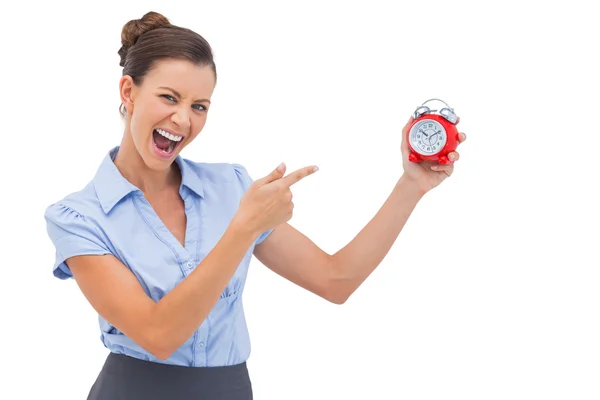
(299, 174)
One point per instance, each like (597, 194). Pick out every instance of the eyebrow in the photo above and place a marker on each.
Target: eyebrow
(179, 95)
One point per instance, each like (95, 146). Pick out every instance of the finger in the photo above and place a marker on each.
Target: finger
(453, 156)
(297, 175)
(461, 137)
(273, 176)
(443, 168)
(403, 142)
(407, 125)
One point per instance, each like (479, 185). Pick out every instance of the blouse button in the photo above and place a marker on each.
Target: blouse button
(190, 265)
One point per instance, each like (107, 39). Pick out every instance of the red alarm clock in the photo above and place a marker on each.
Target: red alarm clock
(432, 134)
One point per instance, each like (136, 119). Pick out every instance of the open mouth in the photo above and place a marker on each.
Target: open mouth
(165, 142)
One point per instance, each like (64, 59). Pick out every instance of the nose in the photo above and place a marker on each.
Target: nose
(181, 118)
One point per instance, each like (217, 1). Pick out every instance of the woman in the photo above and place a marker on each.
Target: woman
(160, 245)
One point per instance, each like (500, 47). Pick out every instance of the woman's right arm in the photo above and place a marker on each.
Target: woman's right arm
(160, 327)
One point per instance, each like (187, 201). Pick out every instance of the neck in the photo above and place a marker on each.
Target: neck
(133, 168)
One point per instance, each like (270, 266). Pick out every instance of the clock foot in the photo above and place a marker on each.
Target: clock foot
(444, 160)
(412, 157)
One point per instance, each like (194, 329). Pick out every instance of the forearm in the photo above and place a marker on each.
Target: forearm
(355, 262)
(178, 314)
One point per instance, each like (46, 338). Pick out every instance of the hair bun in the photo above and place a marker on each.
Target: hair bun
(135, 28)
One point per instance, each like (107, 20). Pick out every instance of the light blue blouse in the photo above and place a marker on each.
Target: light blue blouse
(111, 216)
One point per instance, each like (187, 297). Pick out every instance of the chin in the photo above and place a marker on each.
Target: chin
(157, 165)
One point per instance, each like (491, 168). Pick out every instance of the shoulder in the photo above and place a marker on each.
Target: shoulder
(76, 220)
(81, 203)
(72, 224)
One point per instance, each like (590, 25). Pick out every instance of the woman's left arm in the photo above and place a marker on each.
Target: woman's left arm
(295, 257)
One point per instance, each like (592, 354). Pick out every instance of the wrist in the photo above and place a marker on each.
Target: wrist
(410, 187)
(243, 229)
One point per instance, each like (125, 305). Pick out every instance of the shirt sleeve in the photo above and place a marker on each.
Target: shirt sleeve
(246, 180)
(72, 235)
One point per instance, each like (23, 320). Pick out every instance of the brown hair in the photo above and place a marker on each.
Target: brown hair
(152, 38)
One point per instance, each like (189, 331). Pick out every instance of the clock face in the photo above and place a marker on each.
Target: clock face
(427, 137)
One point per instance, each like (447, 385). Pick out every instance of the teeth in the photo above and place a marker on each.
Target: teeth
(168, 135)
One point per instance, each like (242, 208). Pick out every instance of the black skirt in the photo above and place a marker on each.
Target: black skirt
(127, 378)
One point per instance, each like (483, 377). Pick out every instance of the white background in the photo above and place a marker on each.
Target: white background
(491, 290)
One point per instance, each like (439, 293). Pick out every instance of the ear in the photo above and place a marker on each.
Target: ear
(126, 86)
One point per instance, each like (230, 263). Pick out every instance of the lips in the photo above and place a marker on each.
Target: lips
(164, 147)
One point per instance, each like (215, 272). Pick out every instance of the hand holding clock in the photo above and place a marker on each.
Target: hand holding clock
(426, 174)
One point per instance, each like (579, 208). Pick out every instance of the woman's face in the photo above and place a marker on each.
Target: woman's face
(168, 110)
